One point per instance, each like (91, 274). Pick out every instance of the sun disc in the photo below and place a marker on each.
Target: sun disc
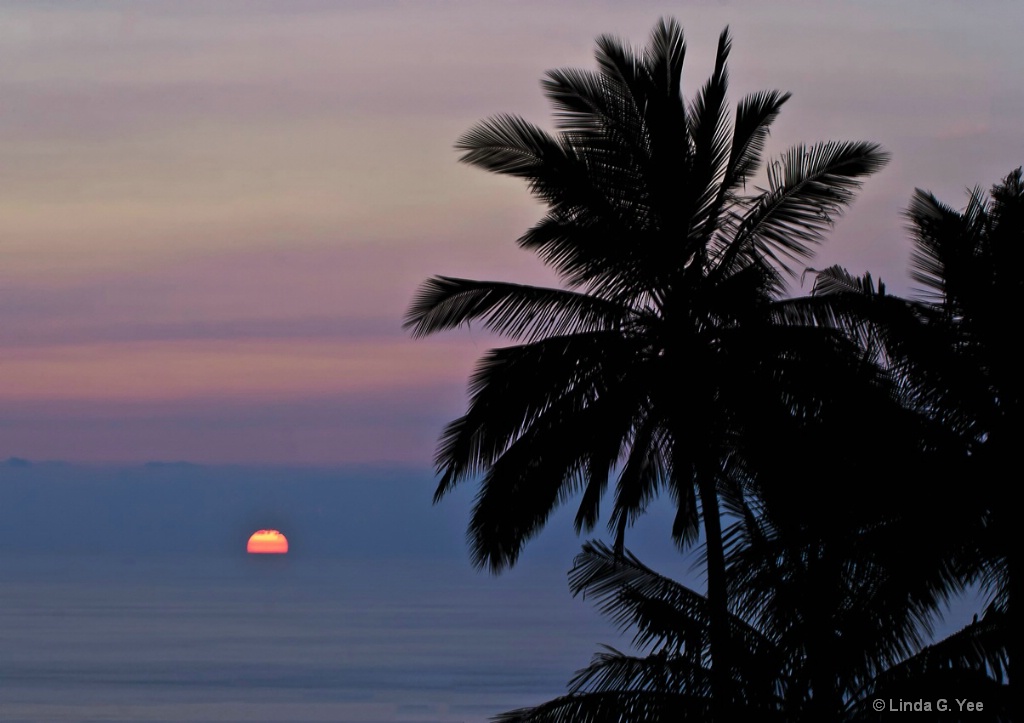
(267, 542)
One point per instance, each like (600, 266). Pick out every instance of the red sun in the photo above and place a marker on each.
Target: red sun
(267, 542)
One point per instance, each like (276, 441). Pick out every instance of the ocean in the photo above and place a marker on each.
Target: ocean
(259, 638)
(126, 595)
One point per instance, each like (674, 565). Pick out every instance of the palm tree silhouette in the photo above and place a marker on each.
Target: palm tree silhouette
(970, 261)
(877, 654)
(670, 336)
(950, 355)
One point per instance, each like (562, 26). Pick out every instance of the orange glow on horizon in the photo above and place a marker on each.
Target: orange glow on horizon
(267, 542)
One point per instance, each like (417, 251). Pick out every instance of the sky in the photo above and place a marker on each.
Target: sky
(214, 215)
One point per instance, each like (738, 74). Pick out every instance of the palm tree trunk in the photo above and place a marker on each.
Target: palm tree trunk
(718, 601)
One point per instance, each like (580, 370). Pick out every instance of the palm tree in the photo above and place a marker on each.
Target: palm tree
(967, 263)
(949, 352)
(874, 652)
(668, 337)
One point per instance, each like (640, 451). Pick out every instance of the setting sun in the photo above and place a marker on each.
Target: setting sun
(267, 542)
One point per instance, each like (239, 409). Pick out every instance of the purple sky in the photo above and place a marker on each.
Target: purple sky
(213, 215)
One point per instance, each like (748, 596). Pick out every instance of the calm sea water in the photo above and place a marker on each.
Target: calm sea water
(354, 631)
(283, 639)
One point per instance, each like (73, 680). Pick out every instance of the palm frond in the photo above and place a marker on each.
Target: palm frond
(512, 387)
(837, 280)
(645, 470)
(525, 313)
(973, 661)
(617, 61)
(553, 169)
(672, 147)
(543, 467)
(808, 188)
(664, 58)
(663, 611)
(754, 116)
(856, 306)
(510, 145)
(607, 260)
(601, 111)
(504, 400)
(943, 244)
(614, 707)
(661, 672)
(708, 127)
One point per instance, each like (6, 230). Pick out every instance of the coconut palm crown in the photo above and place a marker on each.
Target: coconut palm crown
(671, 275)
(668, 332)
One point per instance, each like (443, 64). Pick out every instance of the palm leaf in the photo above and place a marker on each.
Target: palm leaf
(513, 387)
(633, 595)
(974, 662)
(754, 116)
(554, 171)
(709, 130)
(945, 244)
(610, 261)
(614, 707)
(509, 145)
(645, 470)
(808, 188)
(526, 313)
(543, 468)
(661, 672)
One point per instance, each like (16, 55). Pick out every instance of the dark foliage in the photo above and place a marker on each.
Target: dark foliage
(873, 653)
(804, 434)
